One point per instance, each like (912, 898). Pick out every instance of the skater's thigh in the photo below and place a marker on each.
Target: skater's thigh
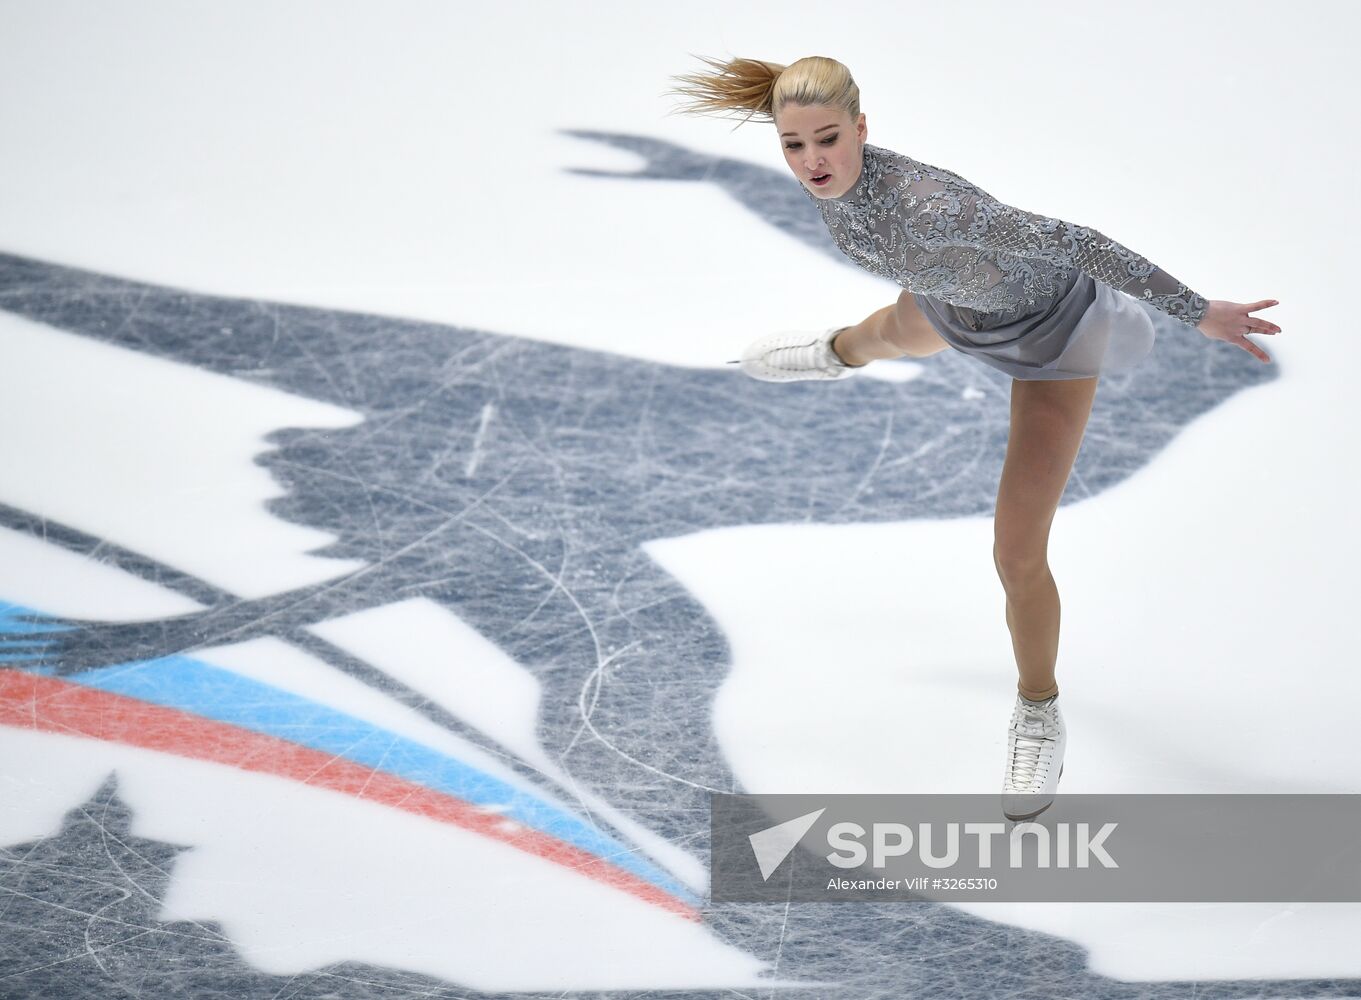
(914, 333)
(1048, 419)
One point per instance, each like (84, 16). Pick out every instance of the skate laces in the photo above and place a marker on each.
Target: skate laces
(812, 355)
(1033, 730)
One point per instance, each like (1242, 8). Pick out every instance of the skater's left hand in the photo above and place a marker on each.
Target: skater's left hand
(1231, 322)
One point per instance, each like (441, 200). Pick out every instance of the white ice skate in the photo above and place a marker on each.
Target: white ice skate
(793, 357)
(1035, 747)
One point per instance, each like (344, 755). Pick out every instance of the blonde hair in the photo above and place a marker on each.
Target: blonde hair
(762, 89)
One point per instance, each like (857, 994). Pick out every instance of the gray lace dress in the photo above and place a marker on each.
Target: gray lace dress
(1032, 296)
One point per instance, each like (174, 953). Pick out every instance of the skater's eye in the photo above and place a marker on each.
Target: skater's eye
(826, 142)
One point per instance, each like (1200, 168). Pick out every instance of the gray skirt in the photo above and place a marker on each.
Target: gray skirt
(1089, 329)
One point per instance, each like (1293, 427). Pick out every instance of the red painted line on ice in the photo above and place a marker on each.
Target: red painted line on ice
(32, 701)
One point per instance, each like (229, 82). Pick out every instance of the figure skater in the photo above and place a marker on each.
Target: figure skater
(1049, 302)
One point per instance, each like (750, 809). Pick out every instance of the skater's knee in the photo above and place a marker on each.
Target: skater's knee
(911, 332)
(1019, 562)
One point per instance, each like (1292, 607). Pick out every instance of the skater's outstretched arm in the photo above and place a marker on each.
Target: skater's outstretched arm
(956, 213)
(961, 214)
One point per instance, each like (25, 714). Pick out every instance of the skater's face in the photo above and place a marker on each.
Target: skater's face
(820, 141)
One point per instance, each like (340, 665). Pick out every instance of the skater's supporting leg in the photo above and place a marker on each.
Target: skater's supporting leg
(891, 332)
(1048, 418)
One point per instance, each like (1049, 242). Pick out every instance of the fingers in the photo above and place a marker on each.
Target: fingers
(1253, 349)
(1255, 323)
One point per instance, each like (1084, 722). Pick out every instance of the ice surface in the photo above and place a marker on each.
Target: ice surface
(412, 429)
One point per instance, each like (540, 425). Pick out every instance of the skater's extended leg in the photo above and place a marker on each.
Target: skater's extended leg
(891, 332)
(838, 352)
(1048, 418)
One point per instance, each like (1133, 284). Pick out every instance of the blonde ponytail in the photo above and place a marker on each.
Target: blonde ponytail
(762, 89)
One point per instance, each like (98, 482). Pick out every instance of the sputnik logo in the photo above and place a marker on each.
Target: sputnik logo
(773, 844)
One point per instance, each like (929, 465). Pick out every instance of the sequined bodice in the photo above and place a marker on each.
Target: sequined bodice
(936, 234)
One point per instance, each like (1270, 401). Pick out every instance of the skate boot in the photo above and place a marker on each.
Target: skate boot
(1035, 747)
(793, 357)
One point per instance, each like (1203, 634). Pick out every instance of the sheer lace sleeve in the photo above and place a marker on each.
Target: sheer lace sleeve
(950, 212)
